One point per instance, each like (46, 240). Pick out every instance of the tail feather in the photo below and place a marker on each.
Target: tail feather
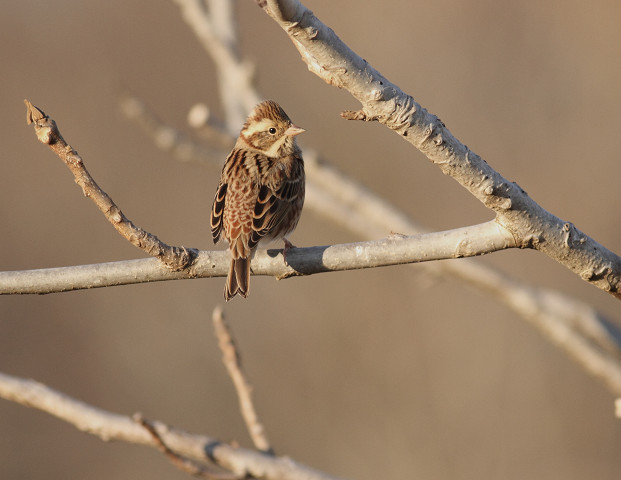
(238, 279)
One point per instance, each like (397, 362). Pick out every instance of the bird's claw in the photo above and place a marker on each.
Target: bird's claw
(288, 245)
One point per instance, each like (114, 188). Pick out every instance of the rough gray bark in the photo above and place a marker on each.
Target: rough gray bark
(530, 224)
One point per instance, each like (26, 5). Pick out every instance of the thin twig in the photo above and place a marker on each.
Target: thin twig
(232, 362)
(176, 258)
(184, 464)
(170, 139)
(210, 129)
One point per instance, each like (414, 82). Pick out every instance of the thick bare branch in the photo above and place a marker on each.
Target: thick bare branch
(176, 258)
(111, 426)
(532, 226)
(577, 328)
(395, 250)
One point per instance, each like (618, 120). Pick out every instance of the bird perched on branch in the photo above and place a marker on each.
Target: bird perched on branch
(261, 191)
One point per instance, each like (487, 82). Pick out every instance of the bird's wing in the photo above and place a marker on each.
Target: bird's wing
(231, 214)
(216, 212)
(280, 193)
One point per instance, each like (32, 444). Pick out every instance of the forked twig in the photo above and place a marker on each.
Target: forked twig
(182, 463)
(110, 426)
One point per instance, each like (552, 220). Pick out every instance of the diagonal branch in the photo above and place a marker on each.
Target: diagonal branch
(575, 327)
(531, 225)
(176, 258)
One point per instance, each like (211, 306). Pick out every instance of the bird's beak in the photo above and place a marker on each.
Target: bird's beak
(294, 130)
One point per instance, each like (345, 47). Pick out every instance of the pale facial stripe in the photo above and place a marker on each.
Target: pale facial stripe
(262, 126)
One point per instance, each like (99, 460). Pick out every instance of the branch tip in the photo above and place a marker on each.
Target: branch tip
(33, 114)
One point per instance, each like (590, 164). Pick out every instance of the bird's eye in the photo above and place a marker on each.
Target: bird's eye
(272, 131)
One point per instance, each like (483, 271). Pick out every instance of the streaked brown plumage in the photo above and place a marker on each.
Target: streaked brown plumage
(261, 190)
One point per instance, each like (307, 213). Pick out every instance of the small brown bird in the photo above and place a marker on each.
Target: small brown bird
(261, 191)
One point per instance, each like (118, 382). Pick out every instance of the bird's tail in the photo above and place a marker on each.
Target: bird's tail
(238, 280)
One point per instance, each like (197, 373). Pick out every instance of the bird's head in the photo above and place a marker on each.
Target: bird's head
(269, 130)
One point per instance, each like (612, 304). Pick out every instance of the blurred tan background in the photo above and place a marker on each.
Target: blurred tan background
(366, 375)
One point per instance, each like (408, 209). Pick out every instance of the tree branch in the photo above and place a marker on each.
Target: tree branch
(354, 206)
(362, 211)
(232, 362)
(394, 250)
(176, 258)
(111, 426)
(531, 225)
(575, 327)
(212, 23)
(186, 465)
(172, 140)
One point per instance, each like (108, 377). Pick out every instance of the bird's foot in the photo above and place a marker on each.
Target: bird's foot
(288, 246)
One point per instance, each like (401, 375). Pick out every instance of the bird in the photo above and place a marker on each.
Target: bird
(261, 192)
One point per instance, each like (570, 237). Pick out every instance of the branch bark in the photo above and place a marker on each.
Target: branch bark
(394, 250)
(175, 258)
(186, 465)
(552, 311)
(111, 426)
(530, 224)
